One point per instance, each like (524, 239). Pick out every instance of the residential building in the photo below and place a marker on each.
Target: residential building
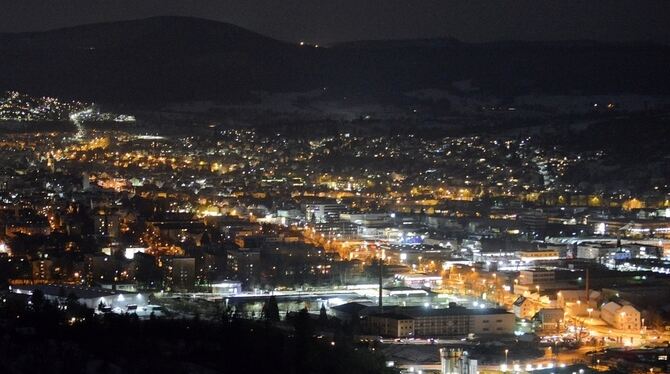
(524, 307)
(535, 276)
(621, 316)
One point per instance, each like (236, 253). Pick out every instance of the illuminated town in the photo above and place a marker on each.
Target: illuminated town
(451, 254)
(334, 187)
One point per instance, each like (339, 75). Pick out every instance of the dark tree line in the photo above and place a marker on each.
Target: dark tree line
(42, 339)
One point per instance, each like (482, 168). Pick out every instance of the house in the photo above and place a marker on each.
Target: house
(549, 317)
(524, 307)
(621, 316)
(576, 302)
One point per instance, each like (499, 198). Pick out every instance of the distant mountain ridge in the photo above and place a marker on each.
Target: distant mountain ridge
(168, 59)
(138, 32)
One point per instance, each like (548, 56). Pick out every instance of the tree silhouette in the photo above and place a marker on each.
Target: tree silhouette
(303, 339)
(72, 299)
(271, 309)
(37, 299)
(323, 316)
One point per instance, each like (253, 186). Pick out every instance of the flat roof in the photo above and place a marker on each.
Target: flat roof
(391, 315)
(81, 292)
(455, 311)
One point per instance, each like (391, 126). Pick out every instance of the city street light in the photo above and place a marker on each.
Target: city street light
(506, 352)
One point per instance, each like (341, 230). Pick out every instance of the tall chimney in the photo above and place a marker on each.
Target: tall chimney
(588, 280)
(381, 269)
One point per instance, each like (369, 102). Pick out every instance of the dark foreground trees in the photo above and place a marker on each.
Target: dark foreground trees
(33, 342)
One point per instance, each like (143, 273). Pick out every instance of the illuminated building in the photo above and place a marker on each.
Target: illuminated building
(538, 255)
(243, 264)
(178, 273)
(42, 269)
(535, 276)
(622, 317)
(426, 322)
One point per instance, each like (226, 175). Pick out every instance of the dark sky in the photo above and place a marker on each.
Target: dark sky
(324, 21)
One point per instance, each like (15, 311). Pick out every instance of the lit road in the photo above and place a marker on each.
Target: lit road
(598, 328)
(76, 120)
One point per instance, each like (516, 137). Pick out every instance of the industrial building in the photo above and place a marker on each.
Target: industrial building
(424, 322)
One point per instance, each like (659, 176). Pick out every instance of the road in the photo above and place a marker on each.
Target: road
(598, 328)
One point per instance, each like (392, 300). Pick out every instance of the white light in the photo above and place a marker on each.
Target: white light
(130, 252)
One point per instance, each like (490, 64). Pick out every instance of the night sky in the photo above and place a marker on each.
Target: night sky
(327, 21)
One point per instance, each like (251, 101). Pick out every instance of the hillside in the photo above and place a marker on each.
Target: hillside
(168, 59)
